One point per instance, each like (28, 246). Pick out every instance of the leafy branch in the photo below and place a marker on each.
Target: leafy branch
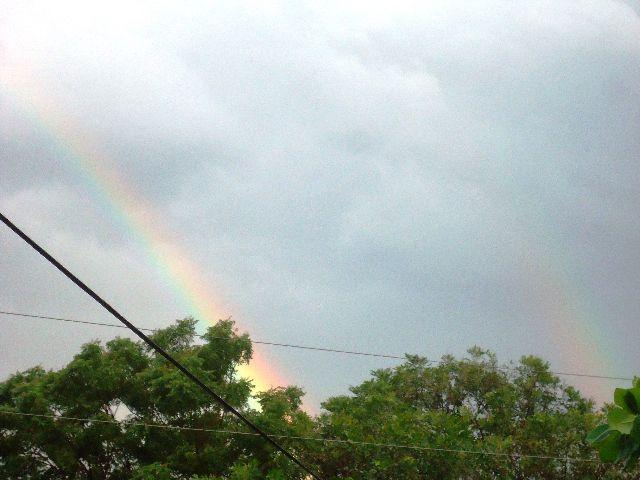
(618, 440)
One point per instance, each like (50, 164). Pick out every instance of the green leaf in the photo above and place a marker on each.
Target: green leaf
(632, 459)
(599, 433)
(632, 399)
(610, 448)
(621, 420)
(635, 429)
(618, 397)
(628, 448)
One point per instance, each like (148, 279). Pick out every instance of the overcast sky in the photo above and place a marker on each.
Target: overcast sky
(391, 177)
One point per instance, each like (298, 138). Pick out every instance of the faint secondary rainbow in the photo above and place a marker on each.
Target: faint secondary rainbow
(569, 318)
(136, 215)
(577, 332)
(574, 326)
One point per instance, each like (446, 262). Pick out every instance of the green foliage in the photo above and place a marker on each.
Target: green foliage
(464, 404)
(154, 471)
(468, 405)
(618, 440)
(124, 381)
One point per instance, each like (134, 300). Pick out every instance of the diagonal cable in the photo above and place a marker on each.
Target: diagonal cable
(226, 405)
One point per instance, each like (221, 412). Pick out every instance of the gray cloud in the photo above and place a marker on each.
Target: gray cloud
(372, 178)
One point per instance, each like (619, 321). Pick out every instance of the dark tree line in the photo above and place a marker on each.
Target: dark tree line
(458, 404)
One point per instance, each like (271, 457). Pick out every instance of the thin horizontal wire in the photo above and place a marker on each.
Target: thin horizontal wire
(86, 322)
(304, 438)
(306, 347)
(159, 350)
(70, 320)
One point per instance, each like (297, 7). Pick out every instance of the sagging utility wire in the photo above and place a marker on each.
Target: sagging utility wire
(504, 368)
(306, 438)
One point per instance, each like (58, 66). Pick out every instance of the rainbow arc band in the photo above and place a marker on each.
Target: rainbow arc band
(185, 371)
(119, 199)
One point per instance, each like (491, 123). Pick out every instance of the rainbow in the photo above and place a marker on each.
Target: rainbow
(570, 322)
(577, 335)
(130, 210)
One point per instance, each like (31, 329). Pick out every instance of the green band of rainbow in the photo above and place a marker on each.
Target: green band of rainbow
(574, 332)
(132, 212)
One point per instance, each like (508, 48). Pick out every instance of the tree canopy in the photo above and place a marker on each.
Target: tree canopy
(464, 418)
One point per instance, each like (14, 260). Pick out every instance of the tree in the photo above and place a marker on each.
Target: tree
(468, 405)
(123, 380)
(449, 408)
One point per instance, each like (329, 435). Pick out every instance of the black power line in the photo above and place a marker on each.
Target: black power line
(153, 345)
(303, 347)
